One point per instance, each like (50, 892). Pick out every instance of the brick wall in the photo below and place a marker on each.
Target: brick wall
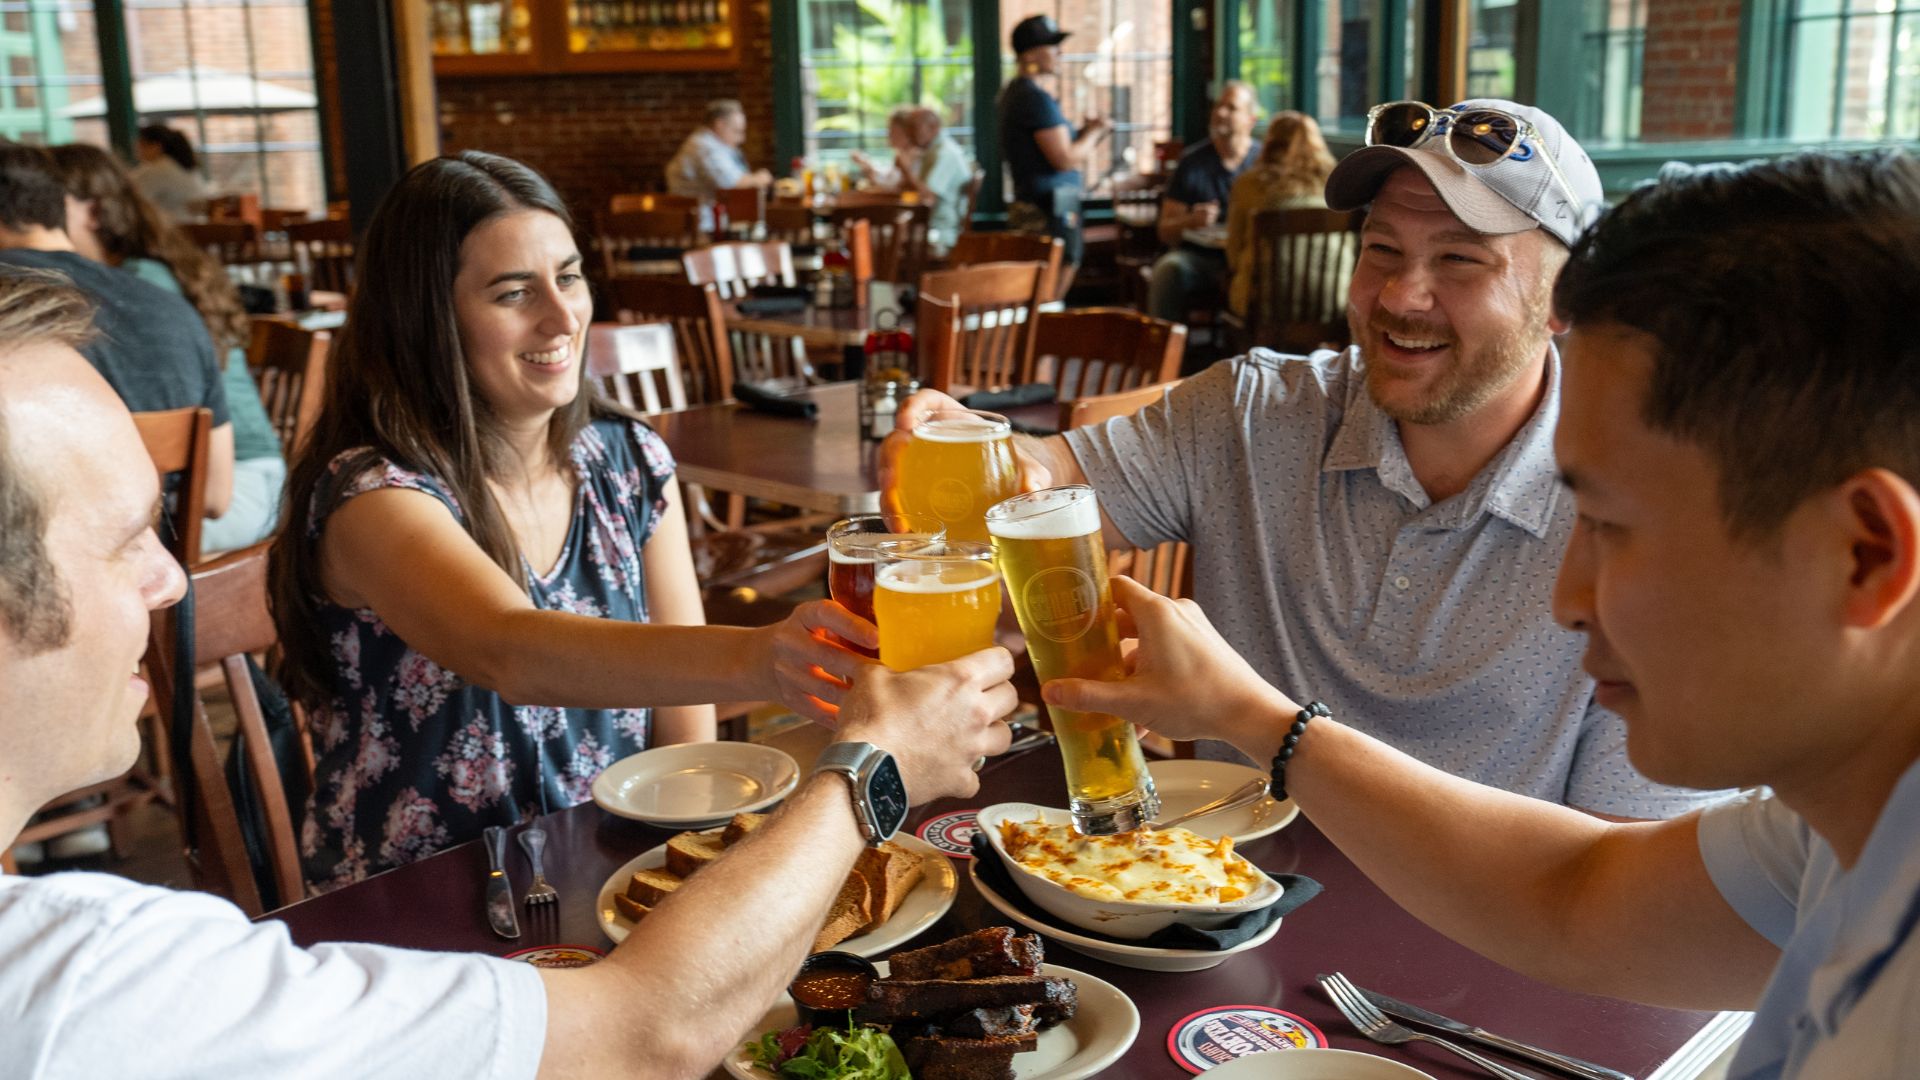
(595, 136)
(1692, 54)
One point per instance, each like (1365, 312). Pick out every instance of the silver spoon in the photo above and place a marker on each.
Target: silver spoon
(1250, 792)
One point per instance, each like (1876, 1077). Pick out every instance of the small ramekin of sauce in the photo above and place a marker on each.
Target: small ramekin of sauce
(829, 984)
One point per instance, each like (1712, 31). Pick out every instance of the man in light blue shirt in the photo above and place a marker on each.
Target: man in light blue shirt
(1738, 431)
(710, 159)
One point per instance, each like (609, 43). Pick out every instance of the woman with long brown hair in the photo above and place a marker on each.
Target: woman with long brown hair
(484, 589)
(1291, 174)
(110, 221)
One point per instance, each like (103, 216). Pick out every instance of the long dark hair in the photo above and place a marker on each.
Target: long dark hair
(171, 143)
(129, 227)
(399, 388)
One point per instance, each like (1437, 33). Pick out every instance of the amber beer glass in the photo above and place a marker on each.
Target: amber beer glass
(855, 549)
(1049, 549)
(958, 463)
(935, 602)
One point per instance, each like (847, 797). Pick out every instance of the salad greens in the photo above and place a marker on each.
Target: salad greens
(856, 1053)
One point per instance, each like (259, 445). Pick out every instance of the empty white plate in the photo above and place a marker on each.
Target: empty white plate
(1184, 785)
(1314, 1064)
(694, 785)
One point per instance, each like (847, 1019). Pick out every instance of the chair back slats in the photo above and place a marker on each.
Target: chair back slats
(635, 364)
(324, 252)
(790, 224)
(997, 301)
(630, 202)
(1302, 261)
(1094, 351)
(290, 365)
(898, 234)
(974, 248)
(678, 229)
(936, 333)
(699, 330)
(229, 242)
(745, 208)
(177, 441)
(736, 268)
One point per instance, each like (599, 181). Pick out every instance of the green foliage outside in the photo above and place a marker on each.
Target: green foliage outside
(896, 53)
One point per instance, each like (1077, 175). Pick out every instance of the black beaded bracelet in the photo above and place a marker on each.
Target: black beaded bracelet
(1277, 787)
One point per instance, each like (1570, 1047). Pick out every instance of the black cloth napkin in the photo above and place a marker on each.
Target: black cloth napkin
(1296, 890)
(773, 402)
(773, 305)
(1011, 398)
(769, 292)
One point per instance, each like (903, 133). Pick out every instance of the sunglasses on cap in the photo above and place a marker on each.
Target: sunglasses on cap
(1477, 137)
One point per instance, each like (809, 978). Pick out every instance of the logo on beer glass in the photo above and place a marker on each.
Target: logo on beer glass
(1061, 603)
(951, 500)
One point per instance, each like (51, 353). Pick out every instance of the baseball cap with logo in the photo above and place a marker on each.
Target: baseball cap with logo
(1516, 192)
(1035, 31)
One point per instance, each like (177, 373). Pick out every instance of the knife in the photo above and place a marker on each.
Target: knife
(1572, 1066)
(499, 890)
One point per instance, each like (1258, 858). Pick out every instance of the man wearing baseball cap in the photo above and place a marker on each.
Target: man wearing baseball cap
(1042, 151)
(1380, 527)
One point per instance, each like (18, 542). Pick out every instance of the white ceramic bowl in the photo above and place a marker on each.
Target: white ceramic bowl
(1115, 918)
(1314, 1063)
(694, 785)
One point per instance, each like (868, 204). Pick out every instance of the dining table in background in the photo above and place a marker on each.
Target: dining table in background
(1352, 927)
(819, 464)
(826, 329)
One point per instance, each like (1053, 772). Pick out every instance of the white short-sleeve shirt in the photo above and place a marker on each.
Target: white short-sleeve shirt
(102, 977)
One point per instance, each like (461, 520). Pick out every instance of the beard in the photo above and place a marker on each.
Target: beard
(1473, 378)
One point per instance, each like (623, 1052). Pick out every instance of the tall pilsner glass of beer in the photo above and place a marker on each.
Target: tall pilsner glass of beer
(1049, 548)
(935, 601)
(857, 546)
(958, 463)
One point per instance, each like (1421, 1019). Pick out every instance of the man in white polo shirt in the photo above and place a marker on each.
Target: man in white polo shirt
(100, 976)
(1383, 523)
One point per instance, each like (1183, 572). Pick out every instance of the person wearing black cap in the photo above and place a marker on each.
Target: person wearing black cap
(1041, 149)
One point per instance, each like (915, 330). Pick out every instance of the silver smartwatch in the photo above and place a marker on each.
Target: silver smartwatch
(879, 794)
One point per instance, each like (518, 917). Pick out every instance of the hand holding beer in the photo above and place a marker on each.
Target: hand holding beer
(895, 494)
(935, 602)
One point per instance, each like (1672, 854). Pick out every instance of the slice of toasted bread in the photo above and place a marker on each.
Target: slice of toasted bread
(651, 885)
(740, 826)
(691, 850)
(631, 908)
(891, 872)
(851, 910)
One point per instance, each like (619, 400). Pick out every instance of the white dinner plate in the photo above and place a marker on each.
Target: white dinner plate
(1184, 785)
(922, 907)
(1102, 1028)
(1134, 956)
(694, 785)
(1314, 1064)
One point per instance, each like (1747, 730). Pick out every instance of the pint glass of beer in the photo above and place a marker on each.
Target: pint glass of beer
(855, 549)
(935, 601)
(1048, 546)
(958, 463)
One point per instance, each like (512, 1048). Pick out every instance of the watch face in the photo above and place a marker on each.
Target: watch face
(887, 795)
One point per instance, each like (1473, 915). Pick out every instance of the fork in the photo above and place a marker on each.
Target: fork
(1373, 1023)
(533, 841)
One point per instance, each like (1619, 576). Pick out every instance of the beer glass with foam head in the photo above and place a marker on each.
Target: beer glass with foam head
(935, 601)
(857, 546)
(958, 463)
(1049, 549)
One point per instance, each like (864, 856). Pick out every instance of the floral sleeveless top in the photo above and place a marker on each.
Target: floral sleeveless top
(410, 758)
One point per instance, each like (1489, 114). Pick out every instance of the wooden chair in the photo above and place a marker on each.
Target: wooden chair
(791, 225)
(737, 267)
(663, 230)
(1094, 351)
(699, 330)
(898, 233)
(649, 200)
(1302, 261)
(231, 621)
(1136, 211)
(323, 251)
(636, 365)
(243, 208)
(972, 193)
(177, 440)
(745, 209)
(996, 342)
(974, 248)
(937, 325)
(230, 242)
(290, 365)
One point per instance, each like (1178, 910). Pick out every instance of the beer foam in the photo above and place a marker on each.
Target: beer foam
(929, 578)
(834, 554)
(960, 429)
(1053, 514)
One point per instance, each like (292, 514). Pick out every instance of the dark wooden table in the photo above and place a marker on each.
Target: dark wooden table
(1351, 927)
(829, 329)
(819, 464)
